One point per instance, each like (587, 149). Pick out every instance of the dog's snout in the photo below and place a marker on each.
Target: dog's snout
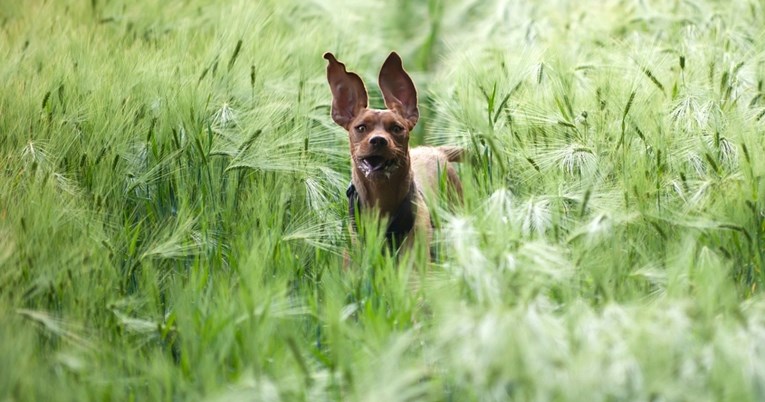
(378, 141)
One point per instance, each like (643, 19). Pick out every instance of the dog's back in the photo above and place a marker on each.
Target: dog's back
(430, 164)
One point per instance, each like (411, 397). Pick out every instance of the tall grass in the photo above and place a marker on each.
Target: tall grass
(173, 217)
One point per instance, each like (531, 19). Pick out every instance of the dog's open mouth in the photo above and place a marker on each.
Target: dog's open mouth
(375, 163)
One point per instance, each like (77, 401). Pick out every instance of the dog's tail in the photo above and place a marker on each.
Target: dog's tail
(453, 153)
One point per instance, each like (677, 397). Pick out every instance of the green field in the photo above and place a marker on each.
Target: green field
(173, 213)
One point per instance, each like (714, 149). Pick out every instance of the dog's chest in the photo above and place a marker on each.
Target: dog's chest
(401, 221)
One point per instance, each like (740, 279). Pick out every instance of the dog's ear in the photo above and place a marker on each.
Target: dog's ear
(398, 89)
(349, 96)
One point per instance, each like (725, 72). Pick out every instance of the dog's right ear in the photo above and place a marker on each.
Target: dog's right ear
(349, 97)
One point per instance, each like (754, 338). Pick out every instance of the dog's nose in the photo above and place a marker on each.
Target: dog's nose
(378, 141)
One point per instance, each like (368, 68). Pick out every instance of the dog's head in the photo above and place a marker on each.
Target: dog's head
(379, 138)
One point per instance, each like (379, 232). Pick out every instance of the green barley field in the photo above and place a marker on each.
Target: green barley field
(173, 216)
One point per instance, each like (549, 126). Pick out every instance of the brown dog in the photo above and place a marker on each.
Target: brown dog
(387, 176)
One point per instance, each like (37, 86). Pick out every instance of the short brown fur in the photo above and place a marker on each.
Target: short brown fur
(384, 169)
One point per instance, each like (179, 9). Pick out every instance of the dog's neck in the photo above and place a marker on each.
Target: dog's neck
(385, 195)
(392, 199)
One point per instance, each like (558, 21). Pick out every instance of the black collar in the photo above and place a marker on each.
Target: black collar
(401, 221)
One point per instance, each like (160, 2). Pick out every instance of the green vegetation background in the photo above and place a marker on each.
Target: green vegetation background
(172, 202)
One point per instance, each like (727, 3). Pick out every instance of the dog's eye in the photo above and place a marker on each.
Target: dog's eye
(396, 129)
(361, 128)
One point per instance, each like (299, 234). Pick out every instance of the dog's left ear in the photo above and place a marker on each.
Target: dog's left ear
(398, 89)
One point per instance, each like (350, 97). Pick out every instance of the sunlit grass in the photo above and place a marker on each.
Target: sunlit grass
(173, 210)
